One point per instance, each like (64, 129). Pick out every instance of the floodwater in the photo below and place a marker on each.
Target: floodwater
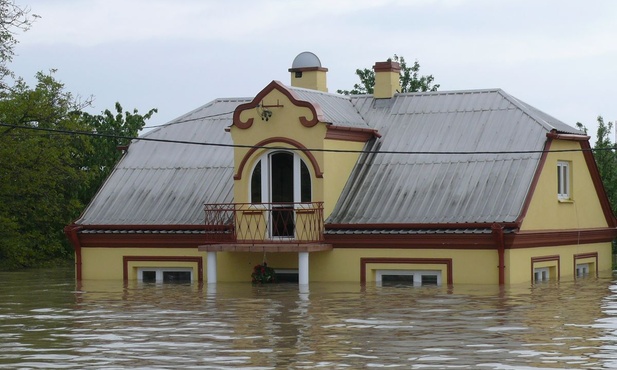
(48, 321)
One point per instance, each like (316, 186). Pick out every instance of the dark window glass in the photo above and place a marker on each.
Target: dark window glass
(176, 276)
(283, 221)
(282, 181)
(305, 183)
(256, 184)
(286, 277)
(148, 276)
(396, 279)
(429, 279)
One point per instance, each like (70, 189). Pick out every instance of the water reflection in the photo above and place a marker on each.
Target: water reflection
(46, 321)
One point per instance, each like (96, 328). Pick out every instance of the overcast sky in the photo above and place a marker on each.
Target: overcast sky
(176, 55)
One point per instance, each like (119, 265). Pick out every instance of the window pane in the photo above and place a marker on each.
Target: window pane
(148, 276)
(429, 279)
(287, 277)
(256, 184)
(282, 177)
(305, 183)
(563, 179)
(283, 221)
(176, 276)
(397, 279)
(559, 179)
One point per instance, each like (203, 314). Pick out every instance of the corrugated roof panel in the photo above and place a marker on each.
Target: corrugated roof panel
(159, 183)
(337, 109)
(428, 168)
(459, 185)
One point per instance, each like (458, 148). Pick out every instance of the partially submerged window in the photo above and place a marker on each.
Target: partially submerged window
(582, 270)
(408, 277)
(286, 275)
(563, 180)
(541, 274)
(165, 274)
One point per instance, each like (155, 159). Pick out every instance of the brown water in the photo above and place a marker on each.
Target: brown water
(47, 321)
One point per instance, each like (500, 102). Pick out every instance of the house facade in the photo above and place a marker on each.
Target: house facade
(454, 187)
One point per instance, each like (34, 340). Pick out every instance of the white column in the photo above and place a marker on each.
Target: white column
(211, 268)
(303, 268)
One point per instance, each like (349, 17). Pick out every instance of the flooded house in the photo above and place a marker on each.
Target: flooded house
(426, 188)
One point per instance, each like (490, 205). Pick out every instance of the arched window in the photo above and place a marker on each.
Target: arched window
(281, 177)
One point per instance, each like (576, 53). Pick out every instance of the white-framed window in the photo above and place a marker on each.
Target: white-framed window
(541, 274)
(165, 274)
(563, 180)
(280, 177)
(582, 270)
(408, 277)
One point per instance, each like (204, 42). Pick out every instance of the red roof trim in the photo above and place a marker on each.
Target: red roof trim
(598, 185)
(412, 226)
(350, 133)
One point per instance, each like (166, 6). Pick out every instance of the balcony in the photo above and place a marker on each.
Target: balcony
(277, 227)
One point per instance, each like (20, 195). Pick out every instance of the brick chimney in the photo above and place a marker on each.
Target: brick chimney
(386, 79)
(307, 72)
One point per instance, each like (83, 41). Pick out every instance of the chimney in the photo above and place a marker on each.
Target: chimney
(307, 72)
(387, 81)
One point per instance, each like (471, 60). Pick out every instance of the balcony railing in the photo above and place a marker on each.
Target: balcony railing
(249, 223)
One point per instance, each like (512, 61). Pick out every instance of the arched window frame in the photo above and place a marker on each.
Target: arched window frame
(264, 163)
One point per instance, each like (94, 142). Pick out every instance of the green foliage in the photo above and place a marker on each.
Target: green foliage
(47, 171)
(263, 274)
(116, 130)
(39, 171)
(47, 177)
(409, 78)
(606, 159)
(605, 154)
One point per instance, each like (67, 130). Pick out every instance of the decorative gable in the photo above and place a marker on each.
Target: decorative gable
(270, 101)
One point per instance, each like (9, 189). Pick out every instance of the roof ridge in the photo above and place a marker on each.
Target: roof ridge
(535, 113)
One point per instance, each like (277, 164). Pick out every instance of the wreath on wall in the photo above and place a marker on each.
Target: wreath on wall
(262, 274)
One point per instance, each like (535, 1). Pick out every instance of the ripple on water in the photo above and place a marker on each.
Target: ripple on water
(113, 325)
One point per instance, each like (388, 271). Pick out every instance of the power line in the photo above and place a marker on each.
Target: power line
(189, 120)
(147, 139)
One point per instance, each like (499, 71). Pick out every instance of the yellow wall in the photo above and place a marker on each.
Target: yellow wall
(518, 261)
(547, 212)
(284, 122)
(343, 265)
(337, 169)
(314, 80)
(107, 263)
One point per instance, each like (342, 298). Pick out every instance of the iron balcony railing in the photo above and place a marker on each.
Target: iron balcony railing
(264, 223)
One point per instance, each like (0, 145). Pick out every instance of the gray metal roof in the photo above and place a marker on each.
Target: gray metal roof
(337, 109)
(159, 183)
(456, 186)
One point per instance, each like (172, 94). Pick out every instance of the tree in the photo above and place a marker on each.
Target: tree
(48, 170)
(12, 19)
(606, 160)
(410, 79)
(605, 154)
(40, 171)
(105, 151)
